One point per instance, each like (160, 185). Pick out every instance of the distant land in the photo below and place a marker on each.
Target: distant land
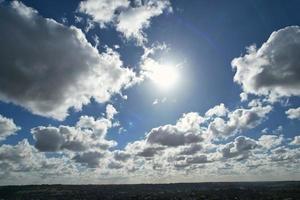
(286, 190)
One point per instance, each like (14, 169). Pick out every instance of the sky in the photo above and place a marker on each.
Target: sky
(149, 91)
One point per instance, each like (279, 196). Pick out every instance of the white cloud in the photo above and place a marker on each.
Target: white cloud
(169, 135)
(121, 155)
(85, 143)
(102, 11)
(270, 141)
(238, 120)
(7, 127)
(273, 69)
(218, 110)
(129, 19)
(194, 135)
(183, 147)
(296, 140)
(155, 102)
(87, 135)
(284, 154)
(110, 111)
(23, 160)
(159, 101)
(293, 113)
(51, 68)
(99, 126)
(148, 161)
(134, 20)
(190, 149)
(186, 131)
(241, 148)
(244, 96)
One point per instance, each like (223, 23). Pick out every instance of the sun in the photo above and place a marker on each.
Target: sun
(165, 77)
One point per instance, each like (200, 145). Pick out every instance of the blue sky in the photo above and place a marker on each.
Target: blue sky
(90, 85)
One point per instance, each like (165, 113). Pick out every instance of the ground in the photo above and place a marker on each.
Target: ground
(186, 191)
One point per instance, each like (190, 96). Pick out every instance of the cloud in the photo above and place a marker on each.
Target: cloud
(99, 127)
(218, 110)
(134, 20)
(24, 158)
(102, 11)
(114, 165)
(194, 135)
(7, 127)
(296, 140)
(184, 132)
(197, 159)
(270, 141)
(293, 113)
(191, 149)
(244, 96)
(51, 68)
(149, 151)
(48, 138)
(169, 135)
(238, 120)
(142, 159)
(129, 19)
(110, 111)
(284, 154)
(91, 158)
(121, 155)
(273, 69)
(241, 147)
(157, 101)
(88, 134)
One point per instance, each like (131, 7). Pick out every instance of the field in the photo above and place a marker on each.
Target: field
(187, 191)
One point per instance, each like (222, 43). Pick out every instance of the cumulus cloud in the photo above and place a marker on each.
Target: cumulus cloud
(7, 127)
(142, 149)
(293, 113)
(88, 134)
(241, 148)
(143, 158)
(186, 131)
(273, 69)
(239, 120)
(24, 158)
(129, 19)
(169, 135)
(218, 110)
(99, 127)
(102, 11)
(48, 68)
(190, 149)
(197, 159)
(193, 135)
(296, 140)
(114, 165)
(91, 158)
(270, 141)
(132, 21)
(244, 96)
(121, 155)
(110, 111)
(284, 154)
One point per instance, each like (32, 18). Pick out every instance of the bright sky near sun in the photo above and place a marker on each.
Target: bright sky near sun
(149, 91)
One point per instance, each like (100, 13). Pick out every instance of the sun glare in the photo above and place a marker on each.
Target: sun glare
(165, 77)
